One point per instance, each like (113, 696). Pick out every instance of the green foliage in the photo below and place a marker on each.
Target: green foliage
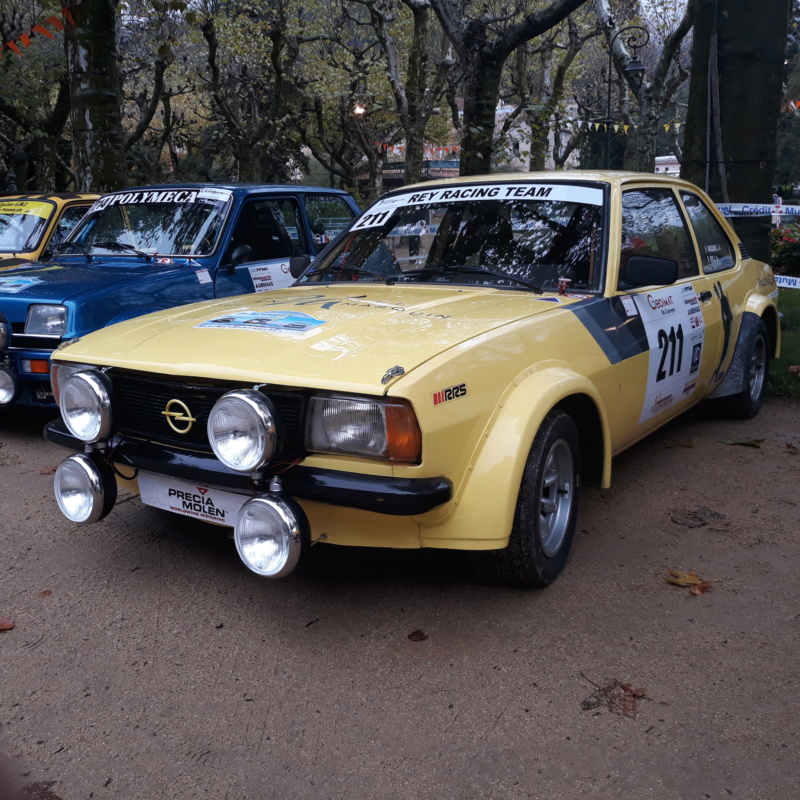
(785, 248)
(782, 382)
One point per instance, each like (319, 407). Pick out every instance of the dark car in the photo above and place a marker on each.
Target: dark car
(151, 248)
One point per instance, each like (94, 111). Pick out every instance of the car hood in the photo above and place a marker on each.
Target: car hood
(58, 282)
(327, 337)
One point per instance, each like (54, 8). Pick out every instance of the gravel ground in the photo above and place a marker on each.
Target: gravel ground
(146, 662)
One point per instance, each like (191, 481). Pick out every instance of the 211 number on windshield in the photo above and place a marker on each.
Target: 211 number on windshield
(671, 347)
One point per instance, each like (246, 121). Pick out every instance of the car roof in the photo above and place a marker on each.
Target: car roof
(569, 176)
(239, 188)
(50, 196)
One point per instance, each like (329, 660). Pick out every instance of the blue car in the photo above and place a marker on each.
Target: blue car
(146, 249)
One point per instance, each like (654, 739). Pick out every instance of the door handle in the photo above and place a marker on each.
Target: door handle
(703, 296)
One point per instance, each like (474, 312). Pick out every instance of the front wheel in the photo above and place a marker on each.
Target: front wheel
(547, 509)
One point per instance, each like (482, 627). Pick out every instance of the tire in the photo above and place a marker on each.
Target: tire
(547, 509)
(747, 403)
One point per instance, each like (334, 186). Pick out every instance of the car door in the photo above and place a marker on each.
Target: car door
(680, 325)
(273, 230)
(719, 266)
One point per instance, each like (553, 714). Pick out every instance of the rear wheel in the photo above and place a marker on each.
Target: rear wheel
(747, 403)
(547, 509)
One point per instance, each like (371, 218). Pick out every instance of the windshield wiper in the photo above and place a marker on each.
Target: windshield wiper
(81, 247)
(119, 246)
(474, 270)
(353, 270)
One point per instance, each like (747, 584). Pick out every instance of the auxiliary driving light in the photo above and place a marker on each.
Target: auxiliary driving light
(10, 386)
(269, 534)
(85, 487)
(85, 403)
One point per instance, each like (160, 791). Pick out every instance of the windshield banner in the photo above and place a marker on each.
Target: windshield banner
(34, 209)
(176, 196)
(462, 193)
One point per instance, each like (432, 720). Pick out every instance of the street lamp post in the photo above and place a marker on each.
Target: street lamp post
(637, 37)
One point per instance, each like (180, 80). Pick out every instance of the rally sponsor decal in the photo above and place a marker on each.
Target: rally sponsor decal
(30, 207)
(162, 196)
(223, 195)
(379, 213)
(11, 285)
(189, 499)
(203, 276)
(293, 322)
(451, 393)
(267, 277)
(629, 304)
(675, 332)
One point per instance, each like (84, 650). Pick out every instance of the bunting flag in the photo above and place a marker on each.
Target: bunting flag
(39, 29)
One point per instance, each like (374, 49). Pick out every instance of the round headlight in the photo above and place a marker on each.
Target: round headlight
(85, 488)
(268, 535)
(242, 430)
(85, 404)
(9, 386)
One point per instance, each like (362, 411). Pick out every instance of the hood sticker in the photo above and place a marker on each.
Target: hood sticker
(287, 321)
(16, 285)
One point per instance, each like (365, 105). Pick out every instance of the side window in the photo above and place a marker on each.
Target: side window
(270, 228)
(652, 225)
(716, 250)
(70, 218)
(328, 216)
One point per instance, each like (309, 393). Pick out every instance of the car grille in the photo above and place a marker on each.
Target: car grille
(21, 340)
(142, 401)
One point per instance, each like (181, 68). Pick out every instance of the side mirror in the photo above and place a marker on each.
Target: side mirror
(238, 256)
(298, 265)
(650, 271)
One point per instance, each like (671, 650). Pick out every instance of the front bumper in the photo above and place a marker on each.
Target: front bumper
(405, 497)
(35, 389)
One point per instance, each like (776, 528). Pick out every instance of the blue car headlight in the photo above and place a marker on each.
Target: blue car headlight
(46, 320)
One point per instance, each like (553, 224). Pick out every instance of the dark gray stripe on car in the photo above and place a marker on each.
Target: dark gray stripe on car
(619, 336)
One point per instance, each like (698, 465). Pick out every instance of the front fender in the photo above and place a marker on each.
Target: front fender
(485, 500)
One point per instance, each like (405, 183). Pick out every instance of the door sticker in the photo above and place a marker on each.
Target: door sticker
(675, 331)
(270, 276)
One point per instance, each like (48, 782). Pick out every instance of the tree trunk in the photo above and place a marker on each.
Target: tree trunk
(734, 105)
(94, 88)
(480, 102)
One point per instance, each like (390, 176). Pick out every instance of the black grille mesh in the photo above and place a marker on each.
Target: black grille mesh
(141, 402)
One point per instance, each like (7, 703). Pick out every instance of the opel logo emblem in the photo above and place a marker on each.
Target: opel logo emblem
(179, 418)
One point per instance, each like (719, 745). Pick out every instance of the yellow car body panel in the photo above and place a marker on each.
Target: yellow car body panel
(54, 211)
(516, 355)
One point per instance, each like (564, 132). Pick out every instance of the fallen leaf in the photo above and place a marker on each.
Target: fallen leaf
(697, 517)
(417, 636)
(745, 442)
(39, 791)
(45, 593)
(621, 698)
(6, 624)
(48, 470)
(687, 443)
(795, 369)
(696, 584)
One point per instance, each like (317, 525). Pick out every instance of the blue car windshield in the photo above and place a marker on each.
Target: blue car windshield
(515, 235)
(182, 222)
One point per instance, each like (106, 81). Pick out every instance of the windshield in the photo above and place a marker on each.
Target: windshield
(517, 235)
(22, 224)
(184, 222)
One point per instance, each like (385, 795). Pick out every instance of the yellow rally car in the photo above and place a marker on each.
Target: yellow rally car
(33, 225)
(447, 373)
